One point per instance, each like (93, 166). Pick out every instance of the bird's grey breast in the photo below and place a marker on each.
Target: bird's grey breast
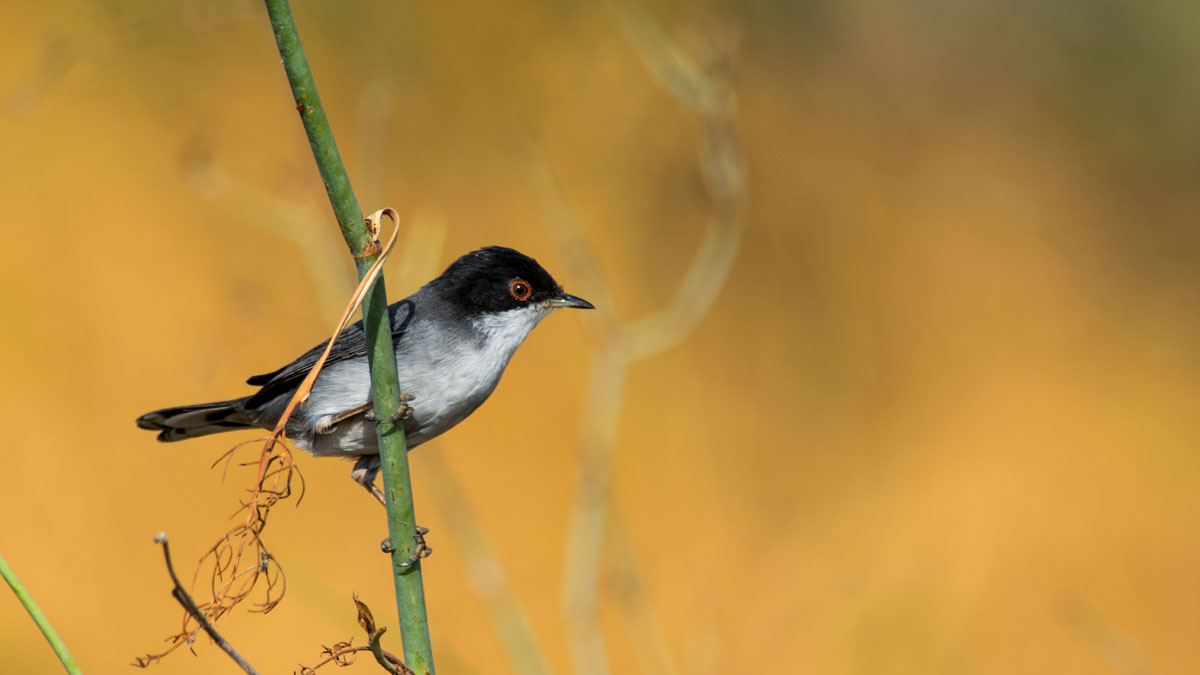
(448, 367)
(449, 373)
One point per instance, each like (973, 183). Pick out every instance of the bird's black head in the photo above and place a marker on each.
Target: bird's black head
(497, 279)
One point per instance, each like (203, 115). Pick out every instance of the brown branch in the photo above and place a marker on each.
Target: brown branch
(189, 606)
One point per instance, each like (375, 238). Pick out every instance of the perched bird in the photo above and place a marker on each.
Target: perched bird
(453, 338)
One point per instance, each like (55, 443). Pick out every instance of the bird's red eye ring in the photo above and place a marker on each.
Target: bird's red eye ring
(520, 289)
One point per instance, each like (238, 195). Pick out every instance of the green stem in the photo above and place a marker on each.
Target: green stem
(385, 388)
(40, 619)
(380, 657)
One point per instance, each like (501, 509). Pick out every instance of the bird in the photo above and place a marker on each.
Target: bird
(453, 339)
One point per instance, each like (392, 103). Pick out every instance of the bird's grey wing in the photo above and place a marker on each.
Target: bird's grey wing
(351, 344)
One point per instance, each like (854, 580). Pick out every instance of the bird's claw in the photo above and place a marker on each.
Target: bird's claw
(404, 412)
(423, 550)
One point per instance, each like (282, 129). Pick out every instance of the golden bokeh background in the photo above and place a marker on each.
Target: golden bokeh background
(940, 417)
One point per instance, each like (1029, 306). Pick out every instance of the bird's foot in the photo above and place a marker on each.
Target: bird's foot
(324, 425)
(404, 412)
(423, 550)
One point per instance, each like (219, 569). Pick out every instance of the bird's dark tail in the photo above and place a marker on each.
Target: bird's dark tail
(190, 421)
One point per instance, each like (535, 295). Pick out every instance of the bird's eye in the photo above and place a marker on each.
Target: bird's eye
(519, 289)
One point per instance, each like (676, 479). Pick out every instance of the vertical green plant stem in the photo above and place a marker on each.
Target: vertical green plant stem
(39, 618)
(385, 389)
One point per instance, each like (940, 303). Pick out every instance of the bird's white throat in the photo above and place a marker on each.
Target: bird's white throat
(505, 331)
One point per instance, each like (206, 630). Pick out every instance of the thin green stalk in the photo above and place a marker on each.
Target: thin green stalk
(40, 619)
(385, 389)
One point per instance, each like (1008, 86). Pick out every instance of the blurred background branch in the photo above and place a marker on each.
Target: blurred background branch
(703, 85)
(485, 573)
(1115, 648)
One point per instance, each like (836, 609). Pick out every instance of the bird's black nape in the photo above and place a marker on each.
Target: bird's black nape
(483, 280)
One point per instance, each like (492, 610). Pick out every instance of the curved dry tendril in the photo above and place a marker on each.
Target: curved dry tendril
(236, 572)
(341, 653)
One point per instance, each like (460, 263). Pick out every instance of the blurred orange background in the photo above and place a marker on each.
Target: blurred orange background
(940, 416)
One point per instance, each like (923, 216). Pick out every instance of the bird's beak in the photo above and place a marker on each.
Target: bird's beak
(567, 300)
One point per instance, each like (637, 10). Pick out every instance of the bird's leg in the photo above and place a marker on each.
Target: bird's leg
(404, 412)
(364, 473)
(326, 424)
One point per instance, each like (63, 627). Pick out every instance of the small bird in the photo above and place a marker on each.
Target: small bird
(453, 338)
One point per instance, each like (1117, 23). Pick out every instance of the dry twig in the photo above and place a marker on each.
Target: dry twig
(189, 606)
(344, 653)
